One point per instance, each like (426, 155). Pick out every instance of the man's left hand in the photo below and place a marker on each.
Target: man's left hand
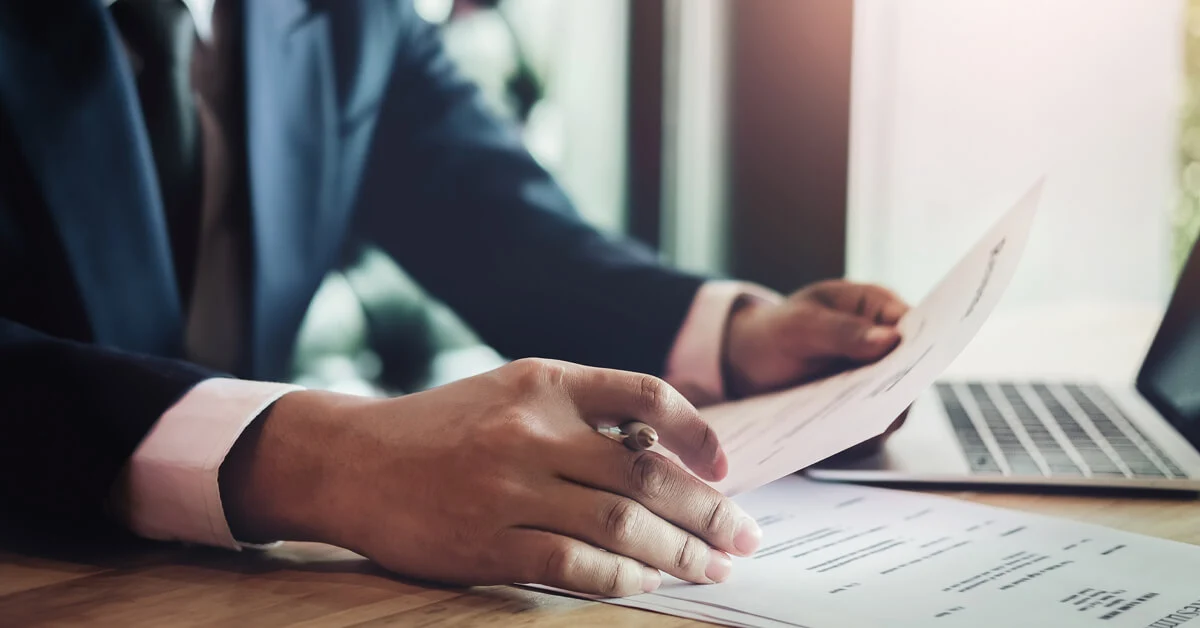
(823, 329)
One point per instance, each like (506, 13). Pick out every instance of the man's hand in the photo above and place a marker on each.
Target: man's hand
(822, 329)
(496, 479)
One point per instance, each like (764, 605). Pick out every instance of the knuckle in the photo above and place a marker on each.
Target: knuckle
(822, 291)
(613, 584)
(827, 285)
(526, 366)
(623, 580)
(563, 562)
(649, 475)
(719, 518)
(534, 375)
(627, 579)
(691, 557)
(656, 395)
(554, 374)
(527, 372)
(622, 520)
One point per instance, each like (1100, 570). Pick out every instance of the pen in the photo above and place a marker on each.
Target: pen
(633, 434)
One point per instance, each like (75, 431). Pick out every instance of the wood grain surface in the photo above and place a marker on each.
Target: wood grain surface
(54, 581)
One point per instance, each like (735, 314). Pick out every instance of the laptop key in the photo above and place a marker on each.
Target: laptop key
(1024, 467)
(1104, 466)
(1059, 459)
(1150, 470)
(1109, 474)
(983, 464)
(1065, 470)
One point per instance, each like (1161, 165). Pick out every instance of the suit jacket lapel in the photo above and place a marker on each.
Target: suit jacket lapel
(67, 86)
(293, 149)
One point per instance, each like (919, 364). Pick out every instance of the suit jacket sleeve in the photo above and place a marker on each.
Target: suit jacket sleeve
(453, 196)
(72, 414)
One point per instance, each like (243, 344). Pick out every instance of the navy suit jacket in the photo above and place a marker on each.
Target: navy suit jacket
(357, 125)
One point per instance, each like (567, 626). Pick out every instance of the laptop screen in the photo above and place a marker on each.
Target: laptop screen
(1170, 376)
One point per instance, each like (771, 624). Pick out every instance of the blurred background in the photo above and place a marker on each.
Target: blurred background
(785, 142)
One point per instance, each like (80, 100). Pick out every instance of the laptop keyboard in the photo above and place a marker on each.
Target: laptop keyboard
(1036, 429)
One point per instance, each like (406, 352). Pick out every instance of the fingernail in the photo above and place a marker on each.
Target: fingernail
(719, 566)
(651, 580)
(748, 537)
(878, 334)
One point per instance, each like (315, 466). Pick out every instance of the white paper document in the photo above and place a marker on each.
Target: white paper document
(772, 436)
(843, 555)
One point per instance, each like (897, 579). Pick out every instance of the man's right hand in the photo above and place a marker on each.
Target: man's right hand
(496, 479)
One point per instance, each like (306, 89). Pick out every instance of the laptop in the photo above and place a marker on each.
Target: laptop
(1036, 432)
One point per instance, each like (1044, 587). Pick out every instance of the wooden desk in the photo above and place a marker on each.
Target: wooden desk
(314, 585)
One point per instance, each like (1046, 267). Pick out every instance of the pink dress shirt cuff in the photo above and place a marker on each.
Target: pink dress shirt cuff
(171, 491)
(694, 365)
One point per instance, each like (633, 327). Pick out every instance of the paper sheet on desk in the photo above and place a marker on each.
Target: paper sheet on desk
(844, 555)
(772, 436)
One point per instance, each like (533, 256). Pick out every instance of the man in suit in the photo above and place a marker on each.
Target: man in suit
(170, 197)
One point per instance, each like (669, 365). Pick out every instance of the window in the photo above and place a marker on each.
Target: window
(958, 107)
(558, 69)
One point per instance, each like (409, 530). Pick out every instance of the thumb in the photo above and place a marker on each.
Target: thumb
(842, 335)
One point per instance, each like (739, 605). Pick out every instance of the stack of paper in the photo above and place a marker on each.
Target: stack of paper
(841, 555)
(769, 437)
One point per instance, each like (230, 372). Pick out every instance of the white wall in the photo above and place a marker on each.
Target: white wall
(960, 105)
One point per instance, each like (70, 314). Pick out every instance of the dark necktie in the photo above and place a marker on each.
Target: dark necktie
(189, 92)
(161, 37)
